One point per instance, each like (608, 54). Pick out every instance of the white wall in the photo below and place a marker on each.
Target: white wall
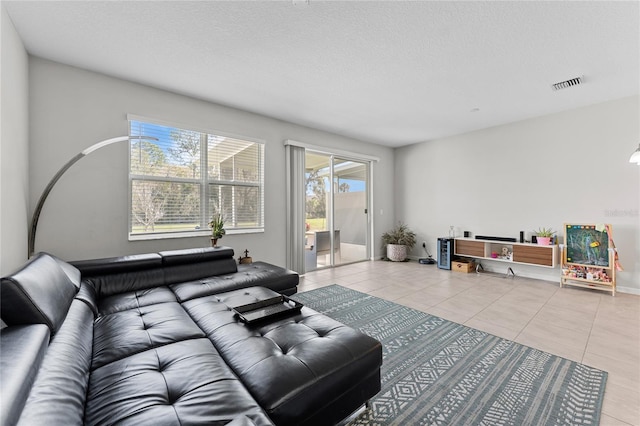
(86, 213)
(14, 148)
(566, 167)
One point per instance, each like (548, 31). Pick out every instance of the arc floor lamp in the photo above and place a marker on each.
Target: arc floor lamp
(58, 175)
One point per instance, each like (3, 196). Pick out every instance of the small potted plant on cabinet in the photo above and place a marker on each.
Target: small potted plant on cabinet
(544, 235)
(217, 229)
(398, 241)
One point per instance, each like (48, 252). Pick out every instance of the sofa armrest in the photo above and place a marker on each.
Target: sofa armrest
(23, 348)
(59, 391)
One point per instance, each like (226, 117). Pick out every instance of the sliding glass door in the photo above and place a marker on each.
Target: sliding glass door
(336, 210)
(350, 211)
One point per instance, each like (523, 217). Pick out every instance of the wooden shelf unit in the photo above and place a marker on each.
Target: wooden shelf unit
(523, 253)
(582, 255)
(591, 284)
(609, 286)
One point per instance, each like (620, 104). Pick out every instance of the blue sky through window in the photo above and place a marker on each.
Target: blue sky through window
(163, 133)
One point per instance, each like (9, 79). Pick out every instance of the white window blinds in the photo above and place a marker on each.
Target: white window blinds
(179, 181)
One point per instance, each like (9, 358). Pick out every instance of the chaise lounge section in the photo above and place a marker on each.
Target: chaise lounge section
(154, 339)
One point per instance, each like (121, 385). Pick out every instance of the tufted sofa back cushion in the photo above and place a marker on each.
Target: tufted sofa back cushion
(39, 293)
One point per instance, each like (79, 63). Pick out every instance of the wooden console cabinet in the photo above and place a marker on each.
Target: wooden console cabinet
(524, 253)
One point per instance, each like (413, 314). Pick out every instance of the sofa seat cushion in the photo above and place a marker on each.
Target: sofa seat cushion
(124, 333)
(271, 276)
(293, 366)
(206, 286)
(135, 299)
(176, 384)
(258, 273)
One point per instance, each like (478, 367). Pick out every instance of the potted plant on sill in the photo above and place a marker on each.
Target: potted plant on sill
(398, 241)
(217, 229)
(544, 235)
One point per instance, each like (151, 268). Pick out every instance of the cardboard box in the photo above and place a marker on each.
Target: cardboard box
(463, 265)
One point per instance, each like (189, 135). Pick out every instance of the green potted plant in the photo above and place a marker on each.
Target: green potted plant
(544, 235)
(398, 241)
(217, 229)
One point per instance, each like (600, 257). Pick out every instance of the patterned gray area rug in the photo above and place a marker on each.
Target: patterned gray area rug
(436, 372)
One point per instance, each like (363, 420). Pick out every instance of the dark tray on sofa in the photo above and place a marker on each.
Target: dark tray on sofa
(269, 308)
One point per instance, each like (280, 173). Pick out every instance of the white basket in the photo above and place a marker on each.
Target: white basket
(396, 253)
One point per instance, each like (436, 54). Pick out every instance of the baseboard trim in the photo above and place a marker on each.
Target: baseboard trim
(628, 290)
(490, 266)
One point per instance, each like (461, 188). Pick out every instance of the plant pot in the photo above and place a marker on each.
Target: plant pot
(214, 242)
(544, 241)
(396, 252)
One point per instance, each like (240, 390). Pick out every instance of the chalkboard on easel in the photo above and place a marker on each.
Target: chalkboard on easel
(587, 245)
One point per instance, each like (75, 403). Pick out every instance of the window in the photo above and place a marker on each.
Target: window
(179, 181)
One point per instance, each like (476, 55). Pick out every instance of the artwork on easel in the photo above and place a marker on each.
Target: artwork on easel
(590, 258)
(587, 245)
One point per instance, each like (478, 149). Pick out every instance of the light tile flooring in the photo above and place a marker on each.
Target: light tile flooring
(587, 326)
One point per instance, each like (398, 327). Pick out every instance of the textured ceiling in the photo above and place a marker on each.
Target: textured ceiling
(388, 72)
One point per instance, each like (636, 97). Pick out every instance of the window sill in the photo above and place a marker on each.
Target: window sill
(193, 234)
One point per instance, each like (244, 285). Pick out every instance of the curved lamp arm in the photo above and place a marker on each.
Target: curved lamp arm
(635, 157)
(57, 176)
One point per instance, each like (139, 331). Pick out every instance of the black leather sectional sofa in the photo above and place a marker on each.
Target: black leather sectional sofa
(152, 340)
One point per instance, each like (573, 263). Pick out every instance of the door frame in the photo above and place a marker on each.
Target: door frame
(367, 207)
(354, 156)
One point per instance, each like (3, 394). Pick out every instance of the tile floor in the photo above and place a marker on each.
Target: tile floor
(586, 326)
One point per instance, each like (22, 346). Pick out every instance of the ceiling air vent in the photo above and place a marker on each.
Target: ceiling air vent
(567, 83)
